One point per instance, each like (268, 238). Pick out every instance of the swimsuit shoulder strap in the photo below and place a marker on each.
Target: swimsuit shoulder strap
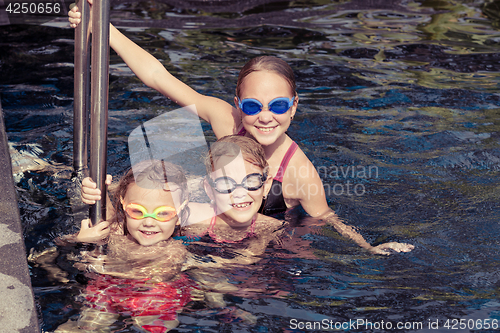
(284, 162)
(212, 235)
(252, 226)
(242, 132)
(210, 229)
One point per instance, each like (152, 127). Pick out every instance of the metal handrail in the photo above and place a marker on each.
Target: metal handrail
(81, 91)
(98, 99)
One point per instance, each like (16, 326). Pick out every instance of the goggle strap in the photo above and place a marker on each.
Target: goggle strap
(182, 206)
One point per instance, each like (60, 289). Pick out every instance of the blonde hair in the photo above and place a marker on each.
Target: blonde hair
(267, 63)
(231, 146)
(159, 172)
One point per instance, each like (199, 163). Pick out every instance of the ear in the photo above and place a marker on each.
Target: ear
(294, 107)
(208, 189)
(266, 172)
(122, 202)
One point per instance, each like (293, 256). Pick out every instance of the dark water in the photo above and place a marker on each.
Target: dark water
(399, 112)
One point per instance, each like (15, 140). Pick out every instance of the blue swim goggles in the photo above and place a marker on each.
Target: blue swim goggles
(251, 106)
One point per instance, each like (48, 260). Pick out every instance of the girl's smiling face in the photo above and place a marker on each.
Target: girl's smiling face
(239, 207)
(149, 231)
(266, 127)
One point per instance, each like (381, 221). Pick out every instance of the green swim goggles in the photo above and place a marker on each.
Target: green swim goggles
(162, 213)
(251, 106)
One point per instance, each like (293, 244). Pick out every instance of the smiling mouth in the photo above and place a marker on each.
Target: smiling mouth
(150, 233)
(266, 129)
(241, 205)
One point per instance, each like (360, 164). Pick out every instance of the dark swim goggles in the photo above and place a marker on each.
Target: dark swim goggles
(251, 106)
(251, 182)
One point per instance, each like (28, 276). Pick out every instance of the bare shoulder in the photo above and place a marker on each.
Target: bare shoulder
(300, 165)
(198, 228)
(300, 176)
(303, 185)
(198, 213)
(223, 117)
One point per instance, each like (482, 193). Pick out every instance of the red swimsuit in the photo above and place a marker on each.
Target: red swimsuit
(142, 297)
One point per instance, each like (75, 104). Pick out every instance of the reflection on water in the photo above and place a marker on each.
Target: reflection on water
(408, 87)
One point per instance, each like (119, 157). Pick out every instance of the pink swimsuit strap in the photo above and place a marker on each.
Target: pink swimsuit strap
(242, 132)
(284, 162)
(212, 235)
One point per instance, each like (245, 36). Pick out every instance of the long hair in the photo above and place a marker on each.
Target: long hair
(267, 63)
(158, 172)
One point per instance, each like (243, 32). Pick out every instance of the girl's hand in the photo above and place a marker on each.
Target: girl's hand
(90, 193)
(75, 17)
(92, 234)
(388, 248)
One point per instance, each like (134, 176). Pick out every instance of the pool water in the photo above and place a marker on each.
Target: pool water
(399, 112)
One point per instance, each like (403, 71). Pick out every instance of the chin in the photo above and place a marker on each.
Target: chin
(268, 139)
(240, 218)
(265, 140)
(148, 242)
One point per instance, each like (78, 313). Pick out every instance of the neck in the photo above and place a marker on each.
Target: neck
(272, 148)
(235, 225)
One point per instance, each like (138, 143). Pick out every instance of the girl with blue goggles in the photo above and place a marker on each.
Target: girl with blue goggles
(251, 106)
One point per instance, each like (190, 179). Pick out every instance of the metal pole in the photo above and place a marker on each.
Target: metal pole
(99, 103)
(81, 92)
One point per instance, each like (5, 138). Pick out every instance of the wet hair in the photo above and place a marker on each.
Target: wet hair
(267, 63)
(231, 146)
(157, 172)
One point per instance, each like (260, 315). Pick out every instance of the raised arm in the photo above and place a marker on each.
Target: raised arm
(220, 114)
(153, 74)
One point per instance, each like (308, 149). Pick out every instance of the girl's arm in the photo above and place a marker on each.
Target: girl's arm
(87, 234)
(309, 190)
(153, 74)
(220, 114)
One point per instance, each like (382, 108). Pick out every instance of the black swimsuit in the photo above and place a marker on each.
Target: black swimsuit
(274, 202)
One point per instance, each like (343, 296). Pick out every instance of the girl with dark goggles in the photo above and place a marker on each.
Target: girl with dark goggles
(251, 106)
(251, 182)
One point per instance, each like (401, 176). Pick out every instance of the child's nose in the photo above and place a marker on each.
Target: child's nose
(265, 115)
(239, 192)
(149, 221)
